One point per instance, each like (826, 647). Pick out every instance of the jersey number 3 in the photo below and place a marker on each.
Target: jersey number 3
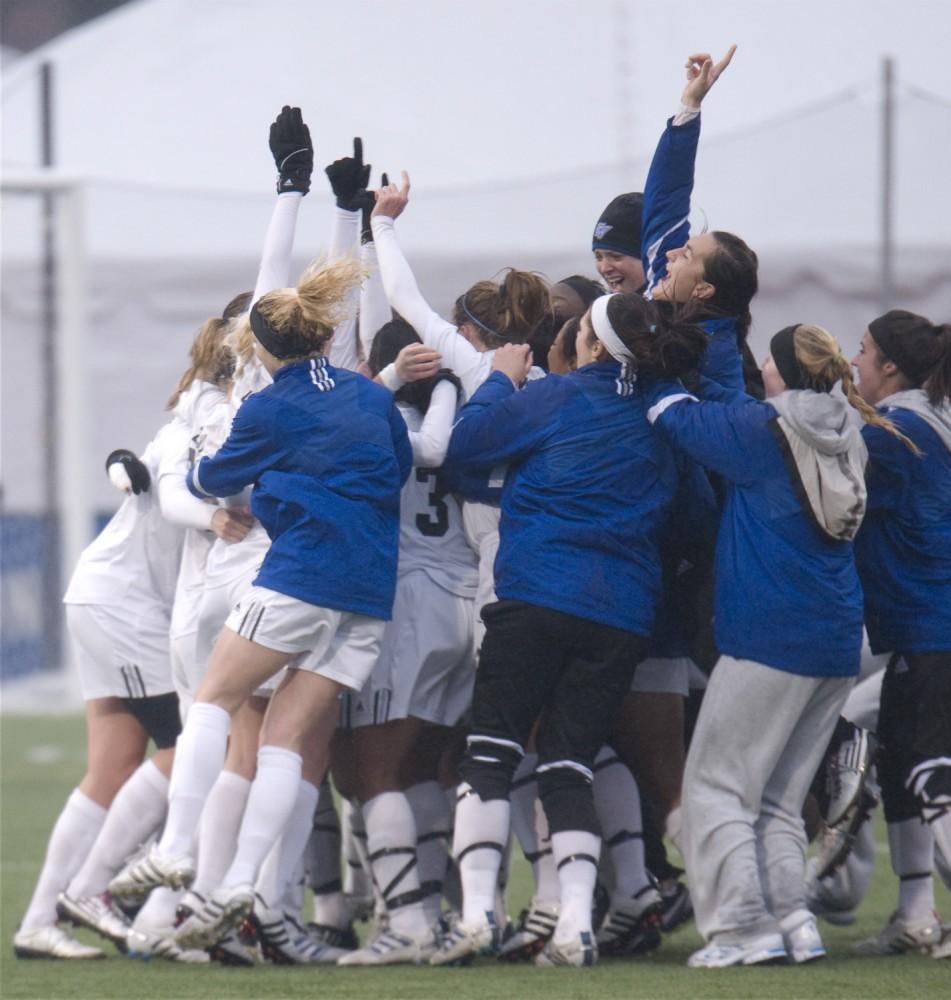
(435, 522)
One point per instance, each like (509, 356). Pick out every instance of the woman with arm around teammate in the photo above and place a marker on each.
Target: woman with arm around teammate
(578, 575)
(788, 614)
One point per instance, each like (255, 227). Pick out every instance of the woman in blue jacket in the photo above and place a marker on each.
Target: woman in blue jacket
(788, 623)
(577, 576)
(903, 553)
(327, 453)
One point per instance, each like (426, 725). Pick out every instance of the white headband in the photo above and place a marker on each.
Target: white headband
(606, 333)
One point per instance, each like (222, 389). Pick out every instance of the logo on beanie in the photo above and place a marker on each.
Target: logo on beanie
(602, 229)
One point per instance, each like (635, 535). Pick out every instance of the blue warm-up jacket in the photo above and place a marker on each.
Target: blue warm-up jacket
(327, 452)
(903, 548)
(786, 595)
(586, 496)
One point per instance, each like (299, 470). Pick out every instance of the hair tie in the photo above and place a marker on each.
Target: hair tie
(478, 322)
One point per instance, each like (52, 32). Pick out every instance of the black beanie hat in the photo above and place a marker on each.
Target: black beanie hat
(619, 228)
(909, 340)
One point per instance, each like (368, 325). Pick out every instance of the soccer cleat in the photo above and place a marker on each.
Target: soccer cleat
(942, 949)
(391, 948)
(678, 908)
(764, 949)
(578, 951)
(143, 943)
(461, 943)
(535, 926)
(52, 942)
(96, 913)
(140, 877)
(901, 934)
(801, 937)
(836, 842)
(344, 938)
(190, 903)
(239, 947)
(222, 912)
(284, 941)
(632, 925)
(847, 770)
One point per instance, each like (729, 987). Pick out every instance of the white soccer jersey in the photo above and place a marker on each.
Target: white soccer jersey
(431, 535)
(136, 556)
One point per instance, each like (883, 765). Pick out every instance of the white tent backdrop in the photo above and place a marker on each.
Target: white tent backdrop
(518, 121)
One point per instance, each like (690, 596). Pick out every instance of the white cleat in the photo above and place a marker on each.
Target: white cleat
(577, 951)
(632, 925)
(222, 912)
(95, 913)
(52, 942)
(764, 949)
(463, 942)
(391, 948)
(901, 934)
(801, 937)
(140, 877)
(535, 927)
(846, 774)
(943, 948)
(284, 942)
(160, 943)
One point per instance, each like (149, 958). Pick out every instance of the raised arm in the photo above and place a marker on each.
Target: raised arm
(374, 305)
(669, 185)
(404, 294)
(431, 442)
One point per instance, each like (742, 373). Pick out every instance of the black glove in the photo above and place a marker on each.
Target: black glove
(447, 375)
(292, 150)
(365, 200)
(136, 471)
(348, 177)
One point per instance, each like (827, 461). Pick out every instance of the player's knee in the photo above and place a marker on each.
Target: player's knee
(564, 787)
(930, 783)
(489, 764)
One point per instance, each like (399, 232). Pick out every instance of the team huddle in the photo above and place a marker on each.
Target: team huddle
(567, 571)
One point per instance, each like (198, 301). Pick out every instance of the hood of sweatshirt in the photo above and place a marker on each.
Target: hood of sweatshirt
(938, 418)
(826, 457)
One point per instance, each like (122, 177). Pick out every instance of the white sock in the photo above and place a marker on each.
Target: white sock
(391, 846)
(356, 877)
(523, 796)
(323, 863)
(941, 832)
(218, 829)
(199, 757)
(136, 813)
(285, 856)
(479, 822)
(433, 819)
(158, 913)
(294, 888)
(912, 850)
(577, 875)
(618, 805)
(547, 887)
(270, 804)
(674, 825)
(73, 835)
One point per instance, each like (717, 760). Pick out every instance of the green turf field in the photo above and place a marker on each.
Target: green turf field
(42, 758)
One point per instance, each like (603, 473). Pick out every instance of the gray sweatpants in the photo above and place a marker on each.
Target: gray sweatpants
(759, 738)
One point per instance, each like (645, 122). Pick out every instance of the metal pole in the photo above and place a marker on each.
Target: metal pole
(52, 576)
(887, 277)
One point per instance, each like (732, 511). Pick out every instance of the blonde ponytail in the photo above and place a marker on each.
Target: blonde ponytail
(820, 357)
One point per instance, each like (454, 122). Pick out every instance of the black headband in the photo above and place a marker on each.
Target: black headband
(908, 341)
(782, 349)
(280, 345)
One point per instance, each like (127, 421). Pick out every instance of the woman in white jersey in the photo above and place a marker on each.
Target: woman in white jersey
(486, 316)
(118, 606)
(426, 668)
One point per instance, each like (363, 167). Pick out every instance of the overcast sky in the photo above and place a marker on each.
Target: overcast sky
(472, 95)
